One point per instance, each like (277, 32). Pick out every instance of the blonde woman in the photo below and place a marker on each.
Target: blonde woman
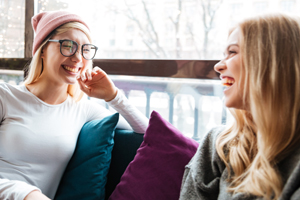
(40, 120)
(258, 156)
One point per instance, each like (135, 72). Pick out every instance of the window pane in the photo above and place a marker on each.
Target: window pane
(12, 20)
(165, 29)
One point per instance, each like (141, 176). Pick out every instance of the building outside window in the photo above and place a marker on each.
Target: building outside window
(109, 17)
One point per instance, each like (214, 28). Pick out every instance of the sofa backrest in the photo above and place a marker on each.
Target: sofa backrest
(125, 147)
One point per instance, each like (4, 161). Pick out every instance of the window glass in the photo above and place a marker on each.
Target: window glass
(165, 29)
(287, 5)
(12, 20)
(147, 29)
(140, 29)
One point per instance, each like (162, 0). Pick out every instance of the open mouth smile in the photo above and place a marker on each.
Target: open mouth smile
(70, 69)
(228, 82)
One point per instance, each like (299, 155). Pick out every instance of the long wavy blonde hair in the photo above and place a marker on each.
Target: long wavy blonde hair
(268, 130)
(35, 69)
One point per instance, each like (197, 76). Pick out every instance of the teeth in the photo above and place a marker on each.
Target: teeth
(71, 69)
(227, 81)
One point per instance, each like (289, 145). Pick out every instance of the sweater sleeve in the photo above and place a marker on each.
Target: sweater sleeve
(17, 190)
(202, 174)
(130, 117)
(131, 114)
(296, 195)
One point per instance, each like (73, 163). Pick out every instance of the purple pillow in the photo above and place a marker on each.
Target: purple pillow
(157, 169)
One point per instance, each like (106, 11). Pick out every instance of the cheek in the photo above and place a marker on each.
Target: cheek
(236, 65)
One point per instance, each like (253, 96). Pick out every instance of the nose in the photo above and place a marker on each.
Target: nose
(77, 57)
(220, 66)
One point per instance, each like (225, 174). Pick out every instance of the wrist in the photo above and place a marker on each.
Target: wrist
(113, 96)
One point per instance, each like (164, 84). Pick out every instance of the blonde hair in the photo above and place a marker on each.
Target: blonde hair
(36, 65)
(268, 130)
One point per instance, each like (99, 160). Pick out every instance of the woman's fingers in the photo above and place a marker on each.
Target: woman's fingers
(98, 70)
(82, 77)
(88, 74)
(83, 87)
(96, 83)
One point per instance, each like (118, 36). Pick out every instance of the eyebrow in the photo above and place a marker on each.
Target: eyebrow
(233, 44)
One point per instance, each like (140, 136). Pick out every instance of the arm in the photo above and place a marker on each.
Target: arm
(14, 189)
(36, 195)
(132, 115)
(202, 175)
(97, 84)
(17, 190)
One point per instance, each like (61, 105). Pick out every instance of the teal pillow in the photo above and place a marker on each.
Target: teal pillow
(85, 175)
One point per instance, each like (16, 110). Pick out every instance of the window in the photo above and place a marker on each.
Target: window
(129, 42)
(130, 28)
(12, 17)
(260, 7)
(144, 31)
(125, 17)
(287, 5)
(112, 42)
(236, 8)
(112, 28)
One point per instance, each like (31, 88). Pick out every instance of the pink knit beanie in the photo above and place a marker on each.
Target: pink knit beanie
(44, 23)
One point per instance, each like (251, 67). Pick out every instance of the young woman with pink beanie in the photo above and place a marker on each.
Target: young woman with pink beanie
(36, 116)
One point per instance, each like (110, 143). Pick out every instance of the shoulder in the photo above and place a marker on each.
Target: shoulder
(207, 150)
(212, 135)
(204, 171)
(6, 89)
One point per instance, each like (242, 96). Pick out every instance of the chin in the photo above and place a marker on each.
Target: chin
(228, 105)
(236, 105)
(71, 81)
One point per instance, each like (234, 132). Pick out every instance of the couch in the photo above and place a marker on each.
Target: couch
(125, 147)
(116, 164)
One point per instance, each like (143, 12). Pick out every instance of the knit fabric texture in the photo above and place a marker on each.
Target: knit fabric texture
(44, 23)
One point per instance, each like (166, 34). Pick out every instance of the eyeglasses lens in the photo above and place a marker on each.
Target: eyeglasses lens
(88, 51)
(68, 48)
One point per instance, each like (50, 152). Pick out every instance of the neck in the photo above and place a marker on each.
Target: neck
(49, 92)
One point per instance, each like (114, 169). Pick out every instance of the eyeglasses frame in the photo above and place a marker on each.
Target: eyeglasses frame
(61, 41)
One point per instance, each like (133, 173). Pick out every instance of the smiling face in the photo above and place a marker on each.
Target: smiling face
(58, 68)
(229, 69)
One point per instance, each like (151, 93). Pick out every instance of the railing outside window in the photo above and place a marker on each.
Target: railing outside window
(193, 106)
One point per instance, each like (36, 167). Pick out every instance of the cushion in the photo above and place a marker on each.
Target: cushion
(85, 175)
(157, 169)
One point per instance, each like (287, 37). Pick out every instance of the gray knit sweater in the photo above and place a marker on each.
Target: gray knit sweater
(205, 175)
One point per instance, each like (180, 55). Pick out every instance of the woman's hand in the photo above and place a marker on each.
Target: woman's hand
(95, 83)
(36, 195)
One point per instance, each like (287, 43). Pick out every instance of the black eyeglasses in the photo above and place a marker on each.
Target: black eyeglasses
(69, 47)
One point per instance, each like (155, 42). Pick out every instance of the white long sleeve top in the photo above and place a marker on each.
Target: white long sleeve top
(37, 139)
